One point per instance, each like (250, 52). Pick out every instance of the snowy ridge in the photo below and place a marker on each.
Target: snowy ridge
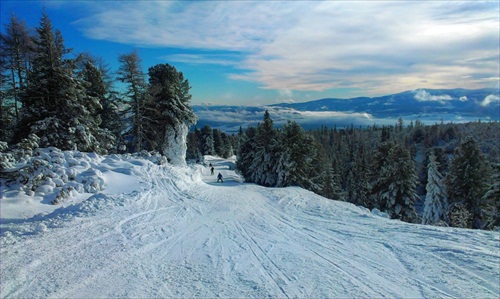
(176, 232)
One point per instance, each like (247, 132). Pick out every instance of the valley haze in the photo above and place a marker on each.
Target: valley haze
(428, 106)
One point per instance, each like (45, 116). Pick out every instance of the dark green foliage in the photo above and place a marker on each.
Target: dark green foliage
(246, 152)
(130, 73)
(354, 165)
(468, 180)
(193, 146)
(394, 188)
(297, 154)
(207, 141)
(167, 106)
(56, 105)
(490, 213)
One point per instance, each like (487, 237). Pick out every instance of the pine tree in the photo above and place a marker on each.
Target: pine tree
(263, 166)
(358, 186)
(17, 50)
(436, 203)
(395, 186)
(207, 141)
(130, 72)
(227, 147)
(56, 106)
(6, 117)
(491, 200)
(168, 111)
(246, 153)
(297, 156)
(107, 119)
(193, 147)
(218, 143)
(467, 180)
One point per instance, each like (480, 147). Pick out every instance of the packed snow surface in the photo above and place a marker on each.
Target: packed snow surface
(163, 231)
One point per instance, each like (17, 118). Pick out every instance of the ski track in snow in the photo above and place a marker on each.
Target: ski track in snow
(189, 238)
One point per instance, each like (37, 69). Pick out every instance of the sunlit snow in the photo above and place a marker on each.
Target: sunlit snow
(163, 231)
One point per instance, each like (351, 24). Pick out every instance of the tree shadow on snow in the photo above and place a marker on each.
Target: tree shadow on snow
(226, 183)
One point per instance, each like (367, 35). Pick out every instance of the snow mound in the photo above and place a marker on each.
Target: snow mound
(49, 178)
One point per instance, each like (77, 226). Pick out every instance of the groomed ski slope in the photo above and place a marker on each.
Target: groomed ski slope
(181, 234)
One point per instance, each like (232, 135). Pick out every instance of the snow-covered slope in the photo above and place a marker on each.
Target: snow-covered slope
(175, 232)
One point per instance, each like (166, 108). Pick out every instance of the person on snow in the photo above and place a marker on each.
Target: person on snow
(212, 170)
(219, 178)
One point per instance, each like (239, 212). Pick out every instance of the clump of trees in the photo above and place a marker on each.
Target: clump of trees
(213, 142)
(49, 98)
(434, 175)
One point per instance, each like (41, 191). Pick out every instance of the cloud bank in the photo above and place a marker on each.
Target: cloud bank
(424, 96)
(376, 47)
(490, 99)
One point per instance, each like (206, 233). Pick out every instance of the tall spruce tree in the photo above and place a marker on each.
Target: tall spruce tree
(193, 147)
(395, 185)
(207, 141)
(436, 203)
(263, 166)
(246, 153)
(105, 111)
(130, 72)
(296, 159)
(17, 50)
(491, 200)
(6, 118)
(168, 111)
(56, 106)
(467, 180)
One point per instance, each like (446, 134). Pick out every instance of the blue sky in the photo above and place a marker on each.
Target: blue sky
(264, 52)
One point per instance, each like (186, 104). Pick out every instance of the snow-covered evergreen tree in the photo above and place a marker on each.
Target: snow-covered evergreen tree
(491, 202)
(207, 141)
(458, 215)
(358, 187)
(436, 203)
(106, 123)
(246, 153)
(263, 166)
(218, 143)
(169, 113)
(193, 146)
(467, 180)
(297, 154)
(395, 186)
(56, 105)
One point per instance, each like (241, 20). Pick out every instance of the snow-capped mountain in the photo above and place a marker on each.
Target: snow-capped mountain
(426, 105)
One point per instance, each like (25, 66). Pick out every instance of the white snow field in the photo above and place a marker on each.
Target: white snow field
(164, 231)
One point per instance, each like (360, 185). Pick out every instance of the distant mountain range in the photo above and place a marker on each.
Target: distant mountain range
(426, 105)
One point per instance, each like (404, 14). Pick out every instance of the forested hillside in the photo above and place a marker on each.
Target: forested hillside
(443, 174)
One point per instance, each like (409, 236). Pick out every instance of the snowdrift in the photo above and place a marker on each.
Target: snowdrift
(133, 226)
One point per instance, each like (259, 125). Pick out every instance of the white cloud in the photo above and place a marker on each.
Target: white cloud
(490, 99)
(329, 114)
(374, 46)
(217, 59)
(424, 96)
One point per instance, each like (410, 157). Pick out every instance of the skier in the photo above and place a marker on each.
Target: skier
(219, 178)
(212, 170)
